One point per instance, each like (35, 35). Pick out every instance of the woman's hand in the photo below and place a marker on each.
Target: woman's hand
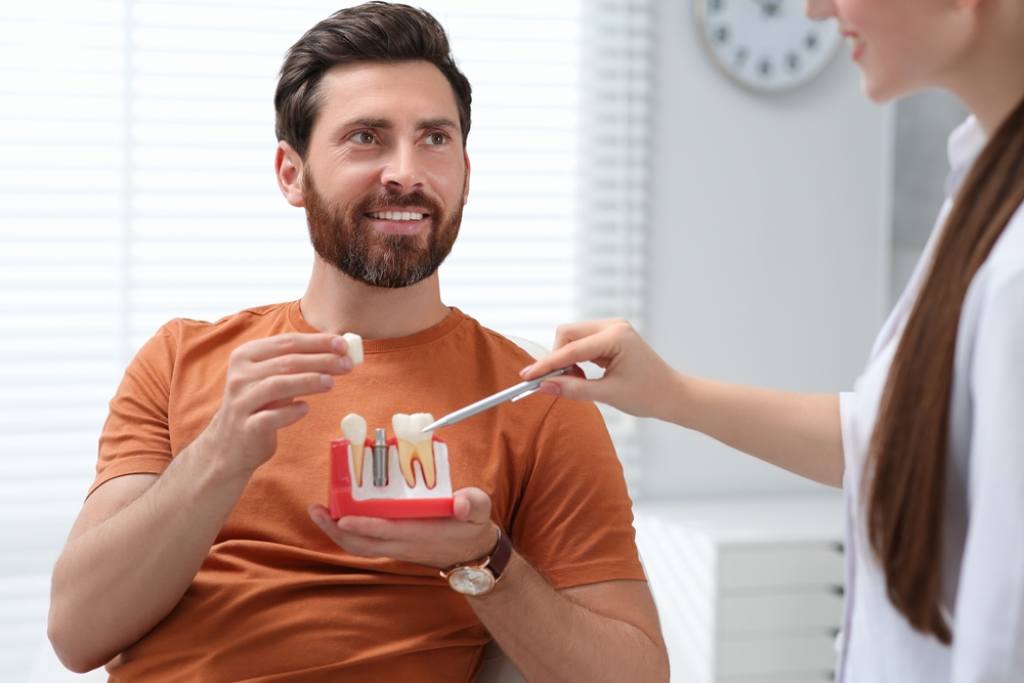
(636, 379)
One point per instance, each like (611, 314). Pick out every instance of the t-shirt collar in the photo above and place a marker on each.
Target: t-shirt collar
(433, 333)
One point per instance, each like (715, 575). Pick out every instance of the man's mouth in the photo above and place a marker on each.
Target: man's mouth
(398, 222)
(397, 215)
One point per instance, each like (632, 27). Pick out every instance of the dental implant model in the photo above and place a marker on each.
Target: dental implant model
(409, 475)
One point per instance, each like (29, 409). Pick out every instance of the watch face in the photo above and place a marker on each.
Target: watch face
(766, 45)
(471, 580)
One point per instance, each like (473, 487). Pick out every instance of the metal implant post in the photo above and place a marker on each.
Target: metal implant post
(380, 458)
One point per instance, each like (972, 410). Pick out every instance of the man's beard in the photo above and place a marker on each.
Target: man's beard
(347, 241)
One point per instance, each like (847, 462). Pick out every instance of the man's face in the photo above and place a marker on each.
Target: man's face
(386, 174)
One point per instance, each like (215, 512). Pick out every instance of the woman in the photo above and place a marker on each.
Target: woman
(929, 448)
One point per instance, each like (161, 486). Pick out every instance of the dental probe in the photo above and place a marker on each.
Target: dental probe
(521, 390)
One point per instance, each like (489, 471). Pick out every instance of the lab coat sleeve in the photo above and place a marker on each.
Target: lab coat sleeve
(988, 630)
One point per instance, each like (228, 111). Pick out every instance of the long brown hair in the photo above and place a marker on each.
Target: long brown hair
(908, 456)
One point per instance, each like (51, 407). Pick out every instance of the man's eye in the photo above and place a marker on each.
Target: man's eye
(437, 138)
(362, 137)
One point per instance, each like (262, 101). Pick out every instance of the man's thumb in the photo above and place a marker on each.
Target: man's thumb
(471, 505)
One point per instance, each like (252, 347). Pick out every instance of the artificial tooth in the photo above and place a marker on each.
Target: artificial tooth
(355, 348)
(414, 445)
(353, 426)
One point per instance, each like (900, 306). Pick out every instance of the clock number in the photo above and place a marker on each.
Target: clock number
(793, 61)
(716, 5)
(722, 34)
(741, 56)
(764, 67)
(811, 41)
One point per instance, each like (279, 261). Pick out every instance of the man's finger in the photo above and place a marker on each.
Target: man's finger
(295, 342)
(375, 527)
(298, 363)
(280, 417)
(472, 505)
(273, 390)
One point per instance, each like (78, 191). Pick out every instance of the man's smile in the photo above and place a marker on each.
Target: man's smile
(398, 222)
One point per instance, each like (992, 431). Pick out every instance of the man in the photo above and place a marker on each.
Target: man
(202, 552)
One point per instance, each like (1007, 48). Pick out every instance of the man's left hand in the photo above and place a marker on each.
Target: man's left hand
(468, 535)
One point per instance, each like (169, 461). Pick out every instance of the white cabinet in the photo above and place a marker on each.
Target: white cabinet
(749, 590)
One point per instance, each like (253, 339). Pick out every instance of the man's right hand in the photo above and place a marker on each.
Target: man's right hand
(265, 377)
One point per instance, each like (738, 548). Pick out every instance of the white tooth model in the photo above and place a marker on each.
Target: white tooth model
(418, 481)
(355, 347)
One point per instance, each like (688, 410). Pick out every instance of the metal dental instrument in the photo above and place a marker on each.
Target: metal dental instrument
(521, 390)
(380, 458)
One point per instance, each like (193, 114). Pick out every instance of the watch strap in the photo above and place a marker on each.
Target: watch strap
(502, 553)
(494, 562)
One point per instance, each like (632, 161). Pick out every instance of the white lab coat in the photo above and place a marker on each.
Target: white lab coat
(983, 532)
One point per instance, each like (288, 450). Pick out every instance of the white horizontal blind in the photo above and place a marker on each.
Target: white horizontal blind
(62, 276)
(136, 154)
(615, 89)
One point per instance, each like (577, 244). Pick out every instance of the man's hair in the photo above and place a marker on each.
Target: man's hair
(371, 32)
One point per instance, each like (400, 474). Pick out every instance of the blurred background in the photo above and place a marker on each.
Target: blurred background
(617, 171)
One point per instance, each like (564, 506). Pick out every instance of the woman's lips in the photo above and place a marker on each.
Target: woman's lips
(857, 45)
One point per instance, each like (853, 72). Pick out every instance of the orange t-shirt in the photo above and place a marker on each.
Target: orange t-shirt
(276, 599)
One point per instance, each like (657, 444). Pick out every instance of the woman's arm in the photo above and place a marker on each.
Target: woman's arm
(798, 432)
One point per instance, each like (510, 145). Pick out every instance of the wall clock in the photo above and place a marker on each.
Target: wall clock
(766, 45)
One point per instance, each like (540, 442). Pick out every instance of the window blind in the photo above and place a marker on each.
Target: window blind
(615, 90)
(136, 157)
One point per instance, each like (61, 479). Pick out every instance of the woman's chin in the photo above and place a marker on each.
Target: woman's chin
(879, 91)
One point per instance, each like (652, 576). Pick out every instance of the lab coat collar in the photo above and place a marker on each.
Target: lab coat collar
(965, 143)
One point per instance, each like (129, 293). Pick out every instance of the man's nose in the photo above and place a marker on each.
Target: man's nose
(401, 169)
(819, 9)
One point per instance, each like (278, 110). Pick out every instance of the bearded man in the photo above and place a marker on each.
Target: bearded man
(203, 552)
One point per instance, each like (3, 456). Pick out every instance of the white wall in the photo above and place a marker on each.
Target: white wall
(769, 246)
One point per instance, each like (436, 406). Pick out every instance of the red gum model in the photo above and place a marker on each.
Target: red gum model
(340, 502)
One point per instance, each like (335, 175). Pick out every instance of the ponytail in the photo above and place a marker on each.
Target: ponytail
(907, 461)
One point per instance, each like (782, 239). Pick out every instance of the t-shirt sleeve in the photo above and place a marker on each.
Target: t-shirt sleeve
(574, 522)
(135, 437)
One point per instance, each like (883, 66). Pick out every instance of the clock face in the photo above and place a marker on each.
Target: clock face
(766, 45)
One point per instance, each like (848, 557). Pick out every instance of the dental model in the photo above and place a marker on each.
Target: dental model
(423, 491)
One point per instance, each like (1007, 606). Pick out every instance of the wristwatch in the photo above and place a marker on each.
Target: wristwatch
(478, 577)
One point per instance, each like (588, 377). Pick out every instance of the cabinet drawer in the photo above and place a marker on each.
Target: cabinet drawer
(764, 656)
(778, 613)
(771, 565)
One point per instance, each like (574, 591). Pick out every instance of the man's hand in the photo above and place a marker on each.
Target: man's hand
(264, 379)
(468, 535)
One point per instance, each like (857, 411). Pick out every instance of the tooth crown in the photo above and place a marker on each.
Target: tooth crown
(353, 426)
(355, 347)
(415, 446)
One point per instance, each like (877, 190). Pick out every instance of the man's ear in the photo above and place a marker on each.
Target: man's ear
(289, 169)
(465, 191)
